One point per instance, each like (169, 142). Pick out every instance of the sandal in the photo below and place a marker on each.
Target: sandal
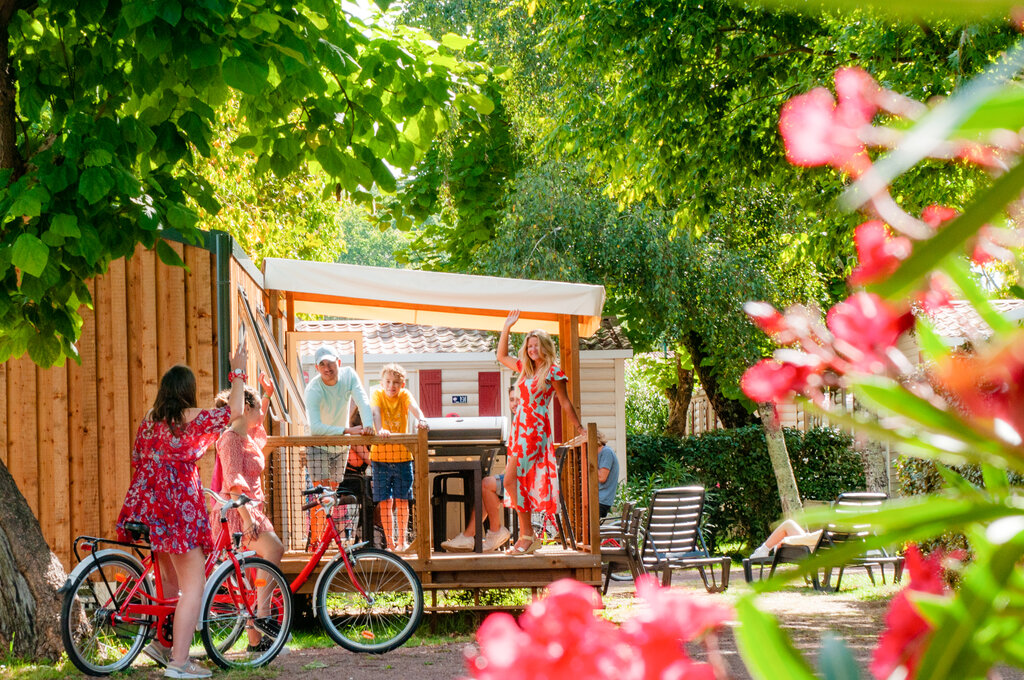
(532, 547)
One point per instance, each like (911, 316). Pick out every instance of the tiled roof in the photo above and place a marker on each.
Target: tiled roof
(959, 320)
(401, 338)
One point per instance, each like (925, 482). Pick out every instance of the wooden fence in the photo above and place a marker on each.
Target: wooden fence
(68, 430)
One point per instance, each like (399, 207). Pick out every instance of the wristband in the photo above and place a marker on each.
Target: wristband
(237, 373)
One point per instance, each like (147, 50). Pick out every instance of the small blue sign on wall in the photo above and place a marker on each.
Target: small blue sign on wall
(460, 398)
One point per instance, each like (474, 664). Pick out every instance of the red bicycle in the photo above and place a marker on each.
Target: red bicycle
(368, 600)
(114, 602)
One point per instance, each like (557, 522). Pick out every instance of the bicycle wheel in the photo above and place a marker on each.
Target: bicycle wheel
(381, 617)
(98, 636)
(246, 613)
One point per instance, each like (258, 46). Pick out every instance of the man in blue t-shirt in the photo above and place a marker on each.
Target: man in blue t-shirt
(607, 475)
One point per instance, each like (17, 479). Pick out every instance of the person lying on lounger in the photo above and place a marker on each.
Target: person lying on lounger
(787, 533)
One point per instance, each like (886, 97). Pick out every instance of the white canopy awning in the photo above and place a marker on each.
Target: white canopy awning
(432, 298)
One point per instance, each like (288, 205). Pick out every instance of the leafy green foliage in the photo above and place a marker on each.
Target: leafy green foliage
(733, 465)
(646, 405)
(692, 90)
(116, 108)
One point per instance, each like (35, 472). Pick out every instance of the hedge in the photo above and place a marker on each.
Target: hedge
(733, 466)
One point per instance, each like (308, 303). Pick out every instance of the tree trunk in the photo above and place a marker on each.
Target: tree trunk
(784, 477)
(679, 396)
(731, 412)
(876, 473)
(9, 155)
(29, 578)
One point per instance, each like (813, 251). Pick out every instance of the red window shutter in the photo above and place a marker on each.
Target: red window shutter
(430, 393)
(489, 393)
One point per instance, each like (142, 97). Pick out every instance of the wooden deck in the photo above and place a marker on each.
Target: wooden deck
(441, 571)
(467, 571)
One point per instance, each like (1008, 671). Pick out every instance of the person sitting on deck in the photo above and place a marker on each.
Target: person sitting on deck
(607, 475)
(392, 463)
(492, 489)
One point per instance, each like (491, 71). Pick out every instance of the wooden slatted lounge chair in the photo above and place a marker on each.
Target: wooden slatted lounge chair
(830, 538)
(672, 538)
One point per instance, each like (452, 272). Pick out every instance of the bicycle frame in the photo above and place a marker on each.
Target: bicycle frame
(325, 503)
(137, 604)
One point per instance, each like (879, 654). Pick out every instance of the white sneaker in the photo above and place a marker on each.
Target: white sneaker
(460, 543)
(761, 552)
(158, 653)
(495, 539)
(189, 671)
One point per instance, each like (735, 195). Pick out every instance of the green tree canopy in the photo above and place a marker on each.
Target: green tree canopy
(108, 108)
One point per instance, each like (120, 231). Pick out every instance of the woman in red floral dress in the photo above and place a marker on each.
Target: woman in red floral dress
(166, 495)
(531, 479)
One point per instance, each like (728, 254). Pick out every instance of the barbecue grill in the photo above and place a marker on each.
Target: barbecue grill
(462, 448)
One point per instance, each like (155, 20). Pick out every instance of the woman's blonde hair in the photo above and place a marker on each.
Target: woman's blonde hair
(547, 354)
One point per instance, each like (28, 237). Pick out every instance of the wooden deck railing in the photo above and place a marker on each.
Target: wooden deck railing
(286, 478)
(578, 481)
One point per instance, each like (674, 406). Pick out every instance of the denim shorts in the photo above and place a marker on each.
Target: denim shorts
(392, 480)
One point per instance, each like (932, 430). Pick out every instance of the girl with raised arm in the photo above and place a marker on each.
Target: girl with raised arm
(166, 495)
(531, 478)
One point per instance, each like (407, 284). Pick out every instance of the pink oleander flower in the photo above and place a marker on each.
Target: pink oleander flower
(906, 633)
(879, 252)
(659, 631)
(559, 638)
(866, 327)
(936, 295)
(766, 317)
(816, 131)
(937, 215)
(771, 381)
(983, 247)
(858, 92)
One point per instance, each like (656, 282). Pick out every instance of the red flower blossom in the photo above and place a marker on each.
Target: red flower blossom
(935, 215)
(906, 631)
(857, 92)
(766, 317)
(559, 638)
(936, 295)
(879, 253)
(817, 133)
(865, 328)
(770, 380)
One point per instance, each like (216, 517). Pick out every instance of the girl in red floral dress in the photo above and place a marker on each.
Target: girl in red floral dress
(166, 495)
(531, 479)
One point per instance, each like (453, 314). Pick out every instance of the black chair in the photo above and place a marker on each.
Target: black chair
(620, 545)
(672, 538)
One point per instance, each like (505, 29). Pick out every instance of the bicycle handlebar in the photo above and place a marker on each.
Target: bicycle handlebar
(225, 503)
(323, 493)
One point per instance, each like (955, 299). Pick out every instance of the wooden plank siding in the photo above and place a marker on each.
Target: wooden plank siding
(83, 431)
(68, 430)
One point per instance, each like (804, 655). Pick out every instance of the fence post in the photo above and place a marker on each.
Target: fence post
(590, 484)
(423, 529)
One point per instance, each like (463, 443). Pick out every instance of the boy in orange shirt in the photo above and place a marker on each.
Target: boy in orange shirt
(391, 404)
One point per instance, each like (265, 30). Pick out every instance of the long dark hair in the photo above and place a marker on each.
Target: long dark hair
(177, 392)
